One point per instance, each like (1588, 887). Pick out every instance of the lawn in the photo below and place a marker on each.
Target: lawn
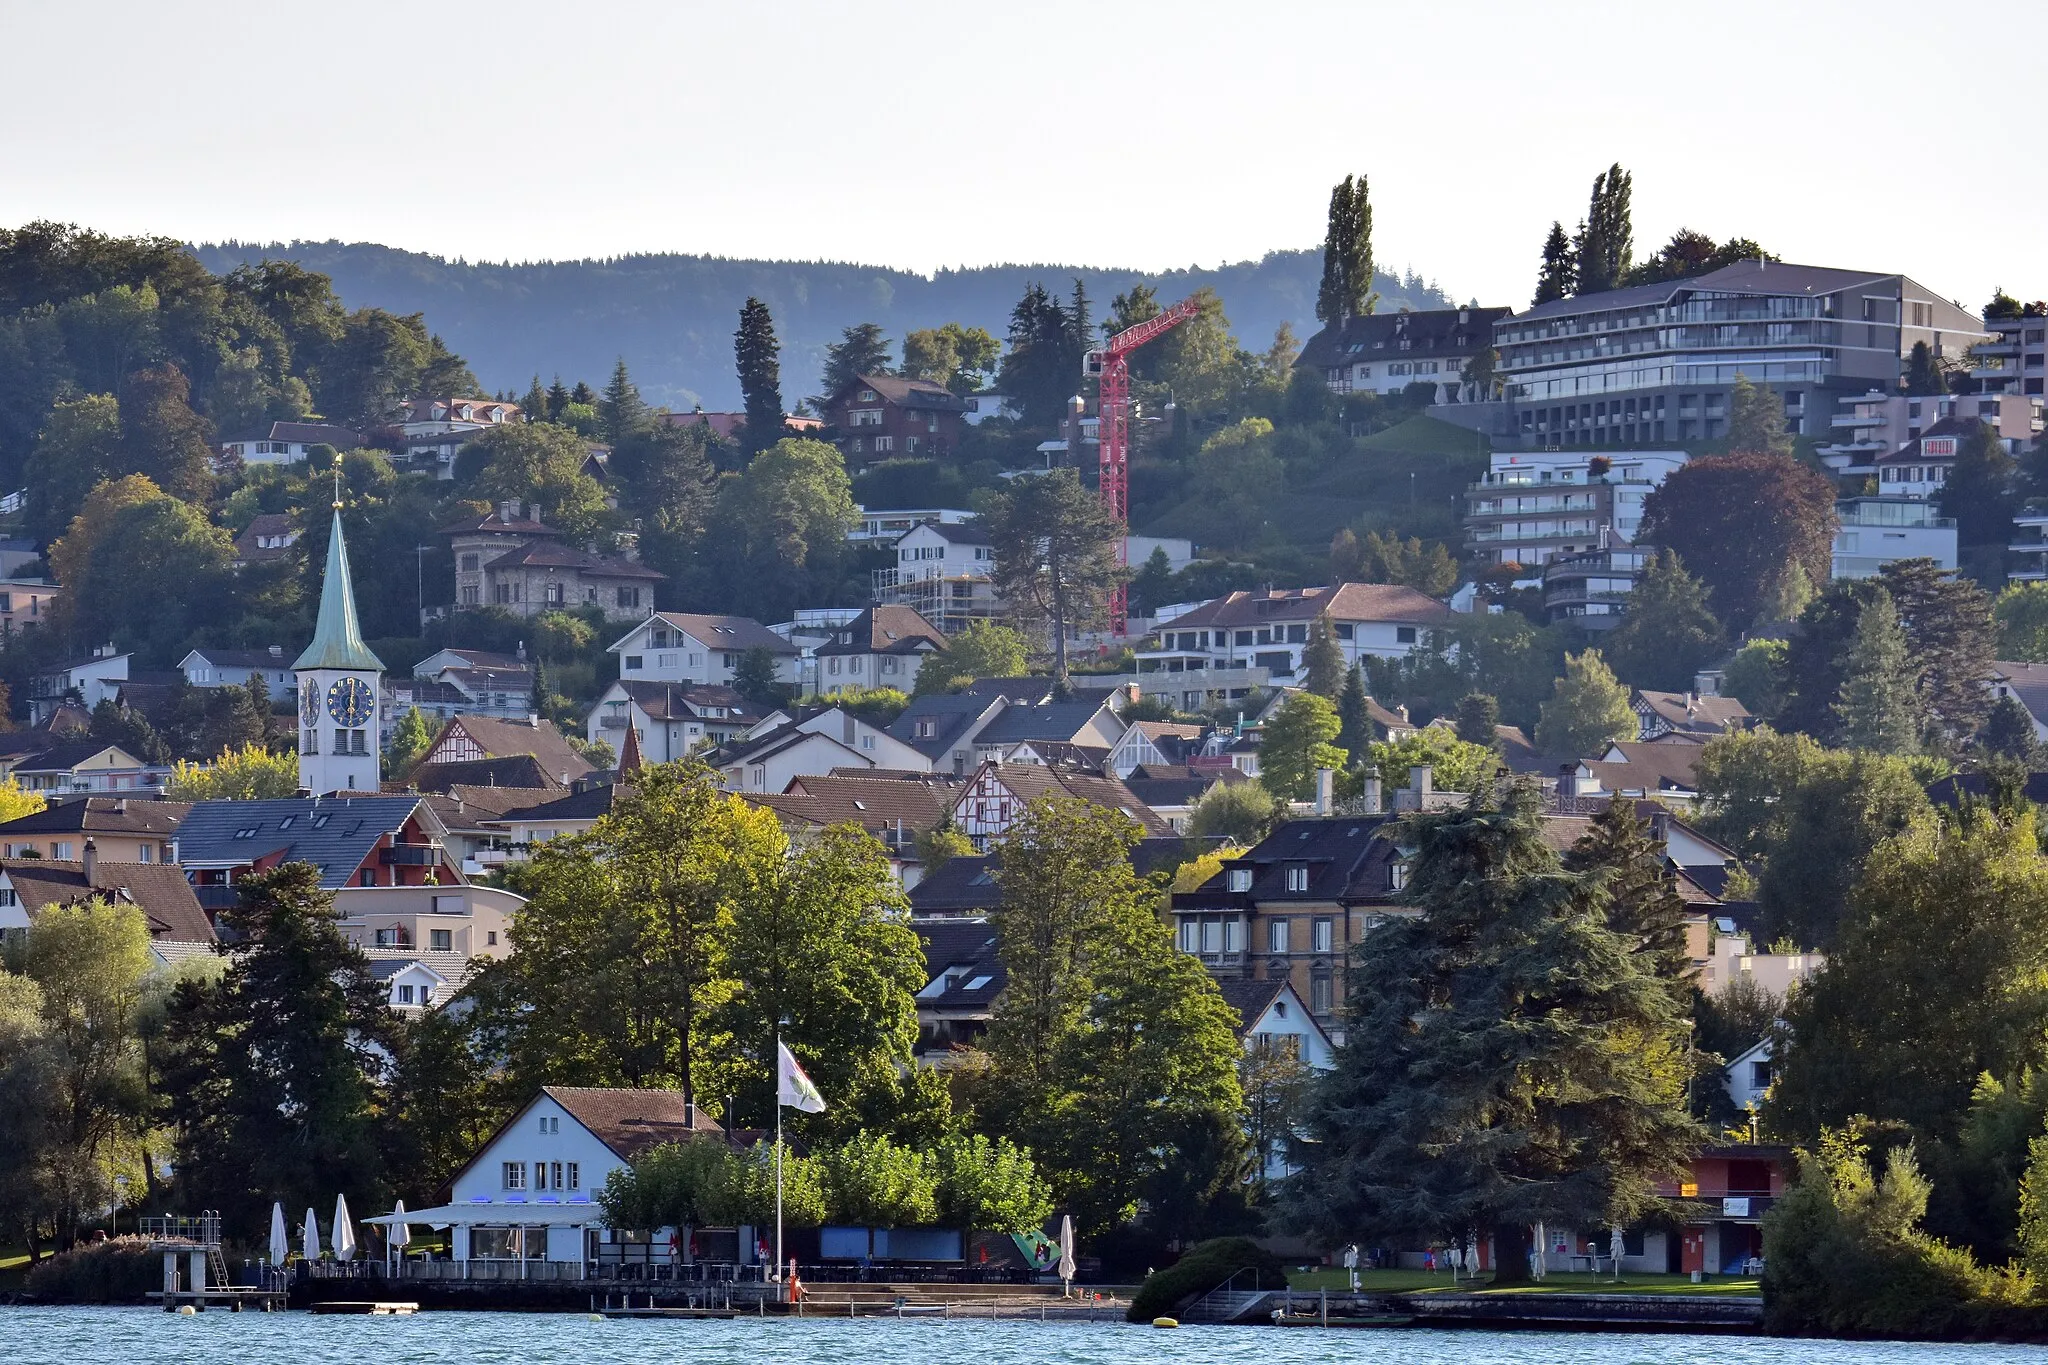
(1427, 436)
(1556, 1282)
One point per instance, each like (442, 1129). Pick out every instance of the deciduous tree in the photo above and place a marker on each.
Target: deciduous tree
(1298, 741)
(1605, 249)
(1588, 709)
(1346, 290)
(1736, 520)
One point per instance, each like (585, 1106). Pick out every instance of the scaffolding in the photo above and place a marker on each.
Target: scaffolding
(947, 601)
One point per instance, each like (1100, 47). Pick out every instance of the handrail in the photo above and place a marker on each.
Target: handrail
(1194, 1310)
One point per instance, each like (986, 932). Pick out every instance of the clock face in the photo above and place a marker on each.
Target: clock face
(351, 702)
(309, 703)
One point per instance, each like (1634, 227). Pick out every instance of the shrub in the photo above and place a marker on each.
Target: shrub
(118, 1271)
(1206, 1265)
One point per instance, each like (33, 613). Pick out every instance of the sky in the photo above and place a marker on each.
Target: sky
(1148, 135)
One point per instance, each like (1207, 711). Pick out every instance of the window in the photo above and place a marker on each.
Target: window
(61, 850)
(142, 853)
(1240, 879)
(1759, 1075)
(470, 563)
(1244, 637)
(1297, 635)
(556, 1171)
(1404, 634)
(515, 1175)
(367, 877)
(629, 597)
(8, 898)
(635, 661)
(405, 995)
(1319, 995)
(441, 940)
(1277, 933)
(1189, 934)
(575, 1174)
(309, 741)
(491, 937)
(1233, 936)
(1321, 931)
(1297, 879)
(1212, 936)
(1345, 631)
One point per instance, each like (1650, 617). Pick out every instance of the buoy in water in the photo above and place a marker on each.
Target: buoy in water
(597, 1317)
(1166, 1322)
(186, 1310)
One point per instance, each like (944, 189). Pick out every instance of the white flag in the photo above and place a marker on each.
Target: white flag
(792, 1087)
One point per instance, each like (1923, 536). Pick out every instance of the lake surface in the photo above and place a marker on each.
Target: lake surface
(68, 1336)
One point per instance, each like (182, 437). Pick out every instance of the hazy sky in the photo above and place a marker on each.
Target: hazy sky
(1158, 134)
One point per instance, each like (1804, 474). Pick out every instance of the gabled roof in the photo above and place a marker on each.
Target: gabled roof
(1177, 786)
(238, 658)
(549, 554)
(63, 758)
(1915, 449)
(715, 632)
(337, 637)
(475, 658)
(159, 890)
(952, 532)
(1053, 720)
(1378, 336)
(885, 630)
(1648, 767)
(920, 394)
(516, 772)
(317, 433)
(1389, 602)
(1029, 782)
(1346, 858)
(951, 717)
(630, 1121)
(1693, 712)
(265, 526)
(921, 803)
(334, 833)
(962, 883)
(688, 701)
(509, 738)
(102, 815)
(593, 802)
(492, 523)
(2028, 683)
(968, 946)
(783, 737)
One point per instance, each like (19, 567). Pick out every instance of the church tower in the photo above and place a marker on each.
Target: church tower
(339, 697)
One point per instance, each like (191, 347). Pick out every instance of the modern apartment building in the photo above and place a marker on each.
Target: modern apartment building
(1872, 532)
(2015, 360)
(1655, 363)
(1870, 426)
(1533, 506)
(1592, 586)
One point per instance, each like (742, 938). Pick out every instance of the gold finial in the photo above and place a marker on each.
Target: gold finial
(337, 483)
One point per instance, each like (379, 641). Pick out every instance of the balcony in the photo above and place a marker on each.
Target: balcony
(611, 722)
(1856, 419)
(410, 855)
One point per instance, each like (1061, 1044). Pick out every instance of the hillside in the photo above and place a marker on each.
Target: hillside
(672, 317)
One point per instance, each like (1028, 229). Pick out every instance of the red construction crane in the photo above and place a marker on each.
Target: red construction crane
(1111, 366)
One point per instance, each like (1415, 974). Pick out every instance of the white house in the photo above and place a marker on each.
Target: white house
(674, 719)
(233, 668)
(1872, 532)
(528, 1196)
(811, 743)
(95, 679)
(1748, 1077)
(1273, 1021)
(289, 441)
(944, 571)
(1269, 630)
(890, 523)
(884, 646)
(683, 647)
(2027, 684)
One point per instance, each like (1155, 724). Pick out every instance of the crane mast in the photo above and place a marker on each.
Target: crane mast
(1111, 367)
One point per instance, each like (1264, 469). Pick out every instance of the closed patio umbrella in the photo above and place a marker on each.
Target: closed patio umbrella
(309, 1238)
(1066, 1267)
(280, 1240)
(1615, 1248)
(398, 1235)
(344, 1230)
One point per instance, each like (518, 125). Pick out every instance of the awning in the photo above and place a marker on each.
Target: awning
(496, 1214)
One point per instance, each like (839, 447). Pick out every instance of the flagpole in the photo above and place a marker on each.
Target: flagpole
(778, 1150)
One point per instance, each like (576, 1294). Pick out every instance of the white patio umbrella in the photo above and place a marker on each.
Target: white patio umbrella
(309, 1238)
(1066, 1267)
(344, 1230)
(1539, 1262)
(1615, 1248)
(280, 1240)
(397, 1236)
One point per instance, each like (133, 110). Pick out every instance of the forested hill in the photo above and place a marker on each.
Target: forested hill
(673, 317)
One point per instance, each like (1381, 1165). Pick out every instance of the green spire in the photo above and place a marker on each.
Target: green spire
(337, 639)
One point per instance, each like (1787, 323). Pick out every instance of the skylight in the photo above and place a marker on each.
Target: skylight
(977, 983)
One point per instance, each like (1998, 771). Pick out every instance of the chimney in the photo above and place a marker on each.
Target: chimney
(1660, 826)
(689, 1117)
(1372, 792)
(120, 805)
(508, 510)
(92, 859)
(1326, 786)
(1565, 775)
(1419, 778)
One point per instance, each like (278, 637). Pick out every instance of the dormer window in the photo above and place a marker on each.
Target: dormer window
(1240, 879)
(1297, 877)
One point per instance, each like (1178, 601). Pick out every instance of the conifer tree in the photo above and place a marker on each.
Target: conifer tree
(1346, 289)
(1479, 719)
(1667, 631)
(1642, 893)
(1559, 277)
(1354, 720)
(1756, 418)
(1588, 709)
(1606, 246)
(1876, 704)
(760, 371)
(558, 398)
(620, 412)
(535, 405)
(1322, 662)
(583, 394)
(1510, 1057)
(1924, 377)
(861, 349)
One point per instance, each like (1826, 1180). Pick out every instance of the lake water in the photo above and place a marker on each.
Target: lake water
(68, 1336)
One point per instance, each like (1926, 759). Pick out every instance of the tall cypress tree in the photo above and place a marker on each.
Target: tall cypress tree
(1346, 289)
(1876, 706)
(1606, 246)
(1559, 276)
(1510, 1057)
(1354, 734)
(1322, 662)
(760, 370)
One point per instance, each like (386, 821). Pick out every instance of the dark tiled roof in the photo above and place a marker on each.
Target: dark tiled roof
(951, 715)
(1346, 602)
(1251, 999)
(1345, 858)
(1055, 720)
(689, 701)
(318, 433)
(1378, 336)
(490, 523)
(1744, 277)
(921, 394)
(725, 632)
(953, 532)
(159, 890)
(631, 1121)
(2028, 683)
(62, 758)
(885, 630)
(1029, 689)
(961, 884)
(520, 772)
(245, 658)
(592, 803)
(877, 802)
(548, 554)
(1700, 714)
(102, 815)
(1029, 782)
(969, 945)
(334, 833)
